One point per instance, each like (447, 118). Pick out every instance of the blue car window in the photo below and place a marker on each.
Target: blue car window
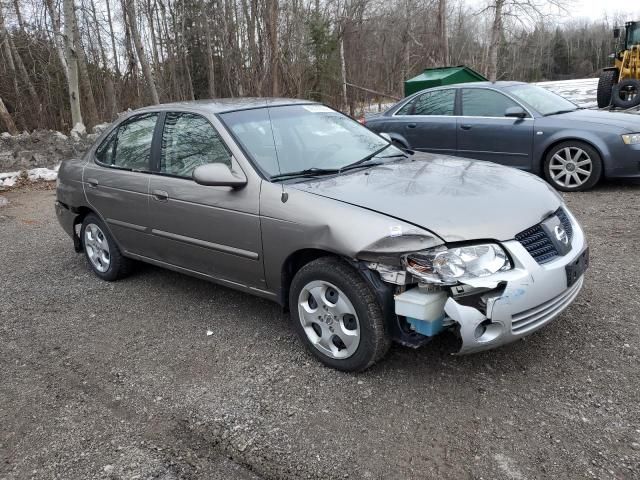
(437, 102)
(479, 102)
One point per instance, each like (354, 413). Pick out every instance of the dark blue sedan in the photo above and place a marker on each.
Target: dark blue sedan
(520, 125)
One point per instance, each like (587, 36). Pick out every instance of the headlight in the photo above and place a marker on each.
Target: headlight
(631, 138)
(448, 266)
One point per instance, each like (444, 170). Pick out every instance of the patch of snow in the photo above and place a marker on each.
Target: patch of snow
(101, 127)
(78, 131)
(9, 179)
(582, 92)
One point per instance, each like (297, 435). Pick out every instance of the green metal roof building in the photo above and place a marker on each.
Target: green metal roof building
(435, 77)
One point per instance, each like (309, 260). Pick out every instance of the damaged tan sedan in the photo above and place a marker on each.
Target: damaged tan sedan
(362, 242)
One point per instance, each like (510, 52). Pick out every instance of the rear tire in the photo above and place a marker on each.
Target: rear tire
(573, 166)
(101, 251)
(337, 316)
(626, 94)
(608, 78)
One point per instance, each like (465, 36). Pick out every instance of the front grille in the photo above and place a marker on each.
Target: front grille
(535, 317)
(537, 242)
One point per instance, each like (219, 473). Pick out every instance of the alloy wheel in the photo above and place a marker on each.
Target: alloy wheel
(329, 319)
(97, 247)
(570, 167)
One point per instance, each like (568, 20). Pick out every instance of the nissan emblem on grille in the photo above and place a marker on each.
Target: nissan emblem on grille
(549, 239)
(561, 235)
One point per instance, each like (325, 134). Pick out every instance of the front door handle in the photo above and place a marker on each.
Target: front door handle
(92, 182)
(411, 125)
(160, 195)
(465, 127)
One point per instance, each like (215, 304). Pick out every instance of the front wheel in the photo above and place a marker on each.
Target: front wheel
(573, 166)
(337, 316)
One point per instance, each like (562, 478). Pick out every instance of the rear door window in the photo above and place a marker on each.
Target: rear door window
(129, 146)
(438, 102)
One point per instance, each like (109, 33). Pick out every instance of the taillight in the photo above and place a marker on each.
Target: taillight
(362, 120)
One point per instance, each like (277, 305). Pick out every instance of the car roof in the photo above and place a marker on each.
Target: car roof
(222, 105)
(500, 84)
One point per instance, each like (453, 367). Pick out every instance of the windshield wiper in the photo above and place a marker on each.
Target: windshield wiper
(308, 172)
(365, 159)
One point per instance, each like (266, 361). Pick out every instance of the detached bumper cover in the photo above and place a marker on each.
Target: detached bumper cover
(533, 296)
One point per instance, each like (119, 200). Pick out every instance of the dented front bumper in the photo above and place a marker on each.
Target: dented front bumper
(531, 296)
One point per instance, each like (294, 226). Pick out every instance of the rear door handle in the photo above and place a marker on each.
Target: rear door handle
(92, 182)
(465, 127)
(160, 195)
(411, 125)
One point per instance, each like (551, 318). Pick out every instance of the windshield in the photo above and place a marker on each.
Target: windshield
(293, 138)
(541, 99)
(633, 35)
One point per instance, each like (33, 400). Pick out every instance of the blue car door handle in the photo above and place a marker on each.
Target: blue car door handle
(465, 126)
(411, 125)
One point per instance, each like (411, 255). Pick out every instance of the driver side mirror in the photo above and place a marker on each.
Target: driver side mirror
(386, 136)
(515, 112)
(616, 32)
(218, 175)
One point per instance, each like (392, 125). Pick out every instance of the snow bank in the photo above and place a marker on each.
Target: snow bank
(9, 179)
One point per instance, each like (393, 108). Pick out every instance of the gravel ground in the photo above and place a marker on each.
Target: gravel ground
(121, 380)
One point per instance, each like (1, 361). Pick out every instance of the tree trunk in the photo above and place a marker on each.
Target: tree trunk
(442, 33)
(5, 116)
(113, 39)
(211, 68)
(273, 46)
(343, 68)
(16, 6)
(57, 38)
(496, 35)
(144, 63)
(109, 90)
(72, 62)
(21, 69)
(86, 89)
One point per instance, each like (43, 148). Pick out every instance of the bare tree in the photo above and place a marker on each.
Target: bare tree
(72, 65)
(5, 116)
(496, 35)
(144, 63)
(442, 32)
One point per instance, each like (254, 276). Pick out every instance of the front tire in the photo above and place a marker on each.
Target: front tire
(100, 250)
(337, 316)
(573, 166)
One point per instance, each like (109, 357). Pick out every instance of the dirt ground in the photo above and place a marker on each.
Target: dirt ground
(122, 381)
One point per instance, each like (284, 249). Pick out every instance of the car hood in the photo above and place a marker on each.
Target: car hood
(626, 121)
(457, 199)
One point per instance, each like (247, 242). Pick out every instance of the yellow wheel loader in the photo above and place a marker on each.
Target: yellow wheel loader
(620, 85)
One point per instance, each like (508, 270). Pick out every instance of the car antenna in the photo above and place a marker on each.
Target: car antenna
(285, 196)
